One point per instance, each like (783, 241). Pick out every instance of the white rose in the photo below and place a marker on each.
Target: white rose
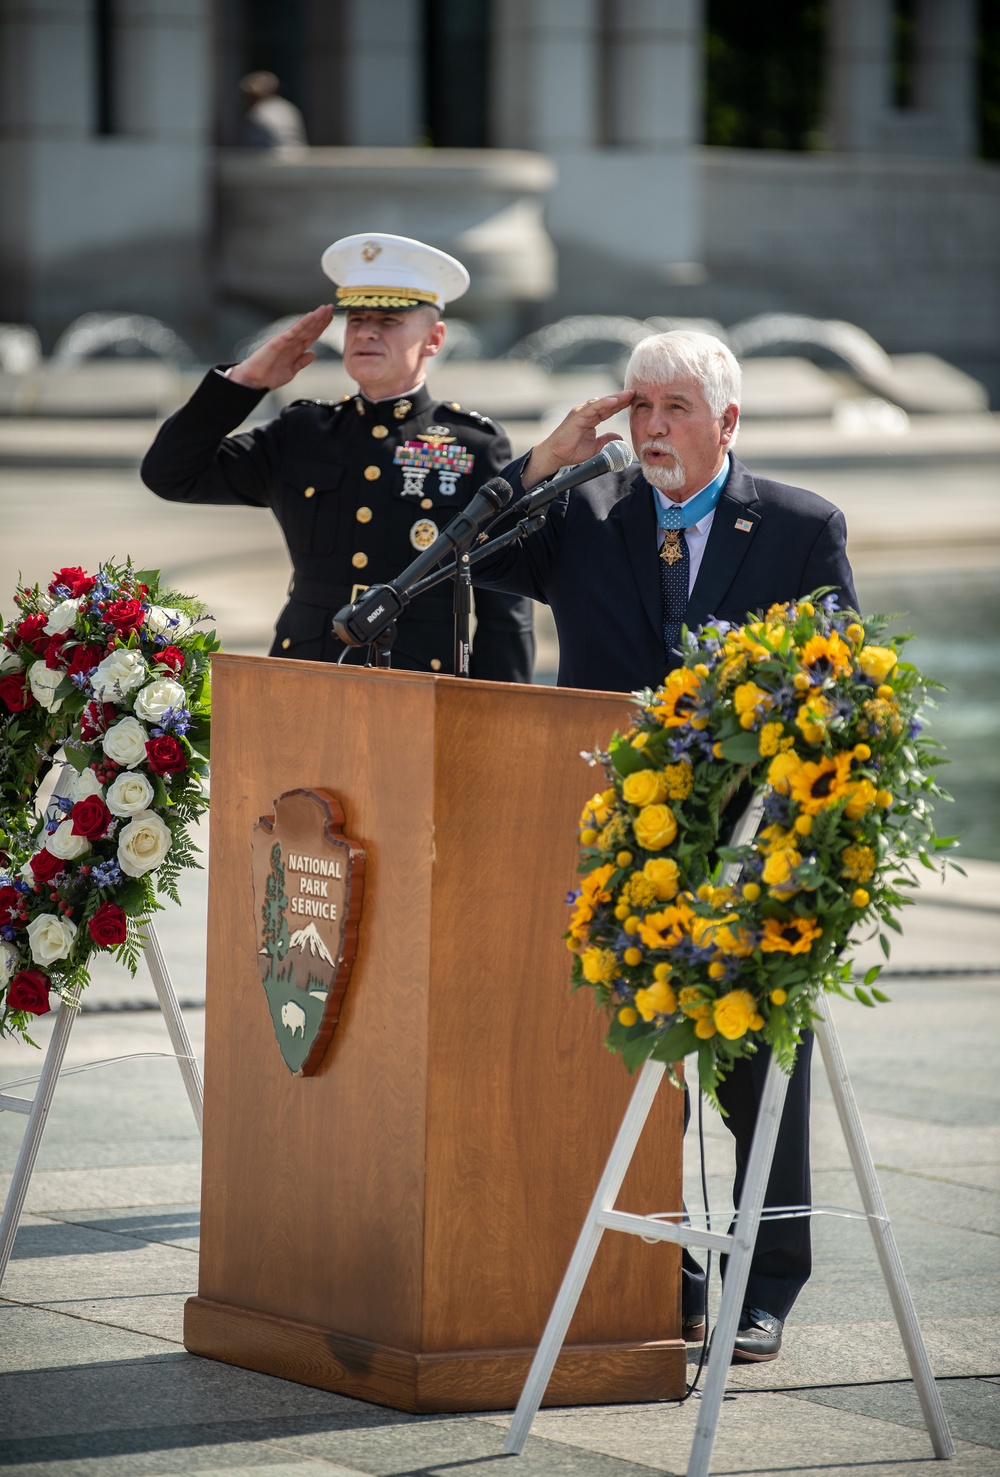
(50, 937)
(143, 844)
(8, 963)
(63, 844)
(128, 794)
(166, 620)
(44, 681)
(125, 742)
(85, 785)
(9, 661)
(62, 618)
(120, 673)
(153, 701)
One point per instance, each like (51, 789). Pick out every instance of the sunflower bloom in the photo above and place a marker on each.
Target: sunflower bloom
(795, 937)
(825, 782)
(676, 701)
(826, 658)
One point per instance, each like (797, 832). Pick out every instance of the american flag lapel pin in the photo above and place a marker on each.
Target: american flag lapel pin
(744, 525)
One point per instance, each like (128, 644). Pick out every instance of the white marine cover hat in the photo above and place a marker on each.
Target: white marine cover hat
(392, 273)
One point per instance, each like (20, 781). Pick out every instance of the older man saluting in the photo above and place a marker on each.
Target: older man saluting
(625, 560)
(358, 486)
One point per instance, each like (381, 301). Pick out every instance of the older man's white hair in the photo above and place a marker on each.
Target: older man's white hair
(684, 353)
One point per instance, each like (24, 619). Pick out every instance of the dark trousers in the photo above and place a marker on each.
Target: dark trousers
(782, 1260)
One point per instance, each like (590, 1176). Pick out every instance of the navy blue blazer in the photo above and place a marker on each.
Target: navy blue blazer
(596, 564)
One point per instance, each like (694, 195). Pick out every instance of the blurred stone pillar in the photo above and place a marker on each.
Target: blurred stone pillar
(104, 121)
(865, 117)
(383, 102)
(611, 90)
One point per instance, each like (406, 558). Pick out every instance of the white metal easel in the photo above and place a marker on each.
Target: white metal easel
(37, 1108)
(603, 1216)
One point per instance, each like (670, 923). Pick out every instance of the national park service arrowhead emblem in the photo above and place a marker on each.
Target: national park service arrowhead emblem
(308, 885)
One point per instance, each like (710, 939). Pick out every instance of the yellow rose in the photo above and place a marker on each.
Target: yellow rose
(644, 787)
(780, 771)
(812, 718)
(876, 662)
(664, 874)
(599, 966)
(659, 999)
(863, 797)
(655, 827)
(733, 1014)
(597, 811)
(779, 867)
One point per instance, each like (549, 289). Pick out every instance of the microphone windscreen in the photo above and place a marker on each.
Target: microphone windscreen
(619, 455)
(498, 491)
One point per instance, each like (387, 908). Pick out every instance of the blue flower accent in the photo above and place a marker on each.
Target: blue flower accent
(8, 932)
(174, 720)
(573, 895)
(106, 874)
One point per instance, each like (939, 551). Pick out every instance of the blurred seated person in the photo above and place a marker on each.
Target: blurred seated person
(271, 121)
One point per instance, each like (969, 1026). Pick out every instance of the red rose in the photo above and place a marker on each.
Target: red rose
(54, 650)
(90, 817)
(15, 692)
(45, 866)
(172, 657)
(83, 660)
(31, 633)
(165, 755)
(10, 905)
(74, 580)
(29, 990)
(96, 719)
(108, 927)
(124, 615)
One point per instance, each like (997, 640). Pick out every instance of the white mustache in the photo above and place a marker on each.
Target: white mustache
(656, 444)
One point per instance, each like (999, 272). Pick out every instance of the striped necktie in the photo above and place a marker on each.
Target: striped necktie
(675, 575)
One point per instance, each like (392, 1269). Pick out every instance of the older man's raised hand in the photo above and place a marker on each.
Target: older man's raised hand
(576, 438)
(279, 360)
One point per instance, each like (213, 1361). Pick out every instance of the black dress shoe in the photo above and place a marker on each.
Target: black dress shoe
(758, 1337)
(693, 1328)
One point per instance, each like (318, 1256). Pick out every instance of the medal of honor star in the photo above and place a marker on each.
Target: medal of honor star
(359, 485)
(624, 560)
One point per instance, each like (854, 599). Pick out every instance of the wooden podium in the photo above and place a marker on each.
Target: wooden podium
(396, 1227)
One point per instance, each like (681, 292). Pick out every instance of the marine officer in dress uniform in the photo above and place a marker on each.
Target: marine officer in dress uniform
(361, 486)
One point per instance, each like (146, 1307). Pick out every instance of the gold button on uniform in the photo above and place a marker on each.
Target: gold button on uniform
(380, 432)
(359, 560)
(435, 664)
(425, 502)
(372, 474)
(309, 492)
(286, 643)
(364, 515)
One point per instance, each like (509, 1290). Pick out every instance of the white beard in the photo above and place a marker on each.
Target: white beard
(666, 479)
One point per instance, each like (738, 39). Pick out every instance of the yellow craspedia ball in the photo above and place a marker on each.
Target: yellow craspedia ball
(633, 956)
(624, 859)
(662, 971)
(704, 1030)
(803, 824)
(701, 670)
(778, 997)
(859, 897)
(573, 945)
(756, 1021)
(717, 750)
(751, 891)
(639, 740)
(883, 799)
(588, 836)
(628, 1016)
(717, 970)
(622, 911)
(801, 682)
(862, 752)
(807, 608)
(884, 691)
(855, 633)
(631, 924)
(747, 720)
(705, 892)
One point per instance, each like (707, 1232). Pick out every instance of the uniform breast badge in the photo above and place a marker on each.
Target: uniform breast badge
(423, 534)
(671, 550)
(434, 450)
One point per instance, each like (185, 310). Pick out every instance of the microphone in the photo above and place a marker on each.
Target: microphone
(377, 607)
(614, 457)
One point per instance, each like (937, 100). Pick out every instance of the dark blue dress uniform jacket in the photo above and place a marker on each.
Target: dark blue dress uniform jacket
(596, 563)
(345, 529)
